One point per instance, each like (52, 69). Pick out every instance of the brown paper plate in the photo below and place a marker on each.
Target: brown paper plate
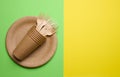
(41, 55)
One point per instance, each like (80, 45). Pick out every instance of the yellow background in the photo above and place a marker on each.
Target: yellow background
(92, 38)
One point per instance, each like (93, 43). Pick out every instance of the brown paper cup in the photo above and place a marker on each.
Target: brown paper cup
(31, 41)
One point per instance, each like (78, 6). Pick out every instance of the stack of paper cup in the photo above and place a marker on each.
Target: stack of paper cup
(32, 40)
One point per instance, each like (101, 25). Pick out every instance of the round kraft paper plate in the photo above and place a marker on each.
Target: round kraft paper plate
(41, 55)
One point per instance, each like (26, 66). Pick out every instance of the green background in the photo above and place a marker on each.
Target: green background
(11, 10)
